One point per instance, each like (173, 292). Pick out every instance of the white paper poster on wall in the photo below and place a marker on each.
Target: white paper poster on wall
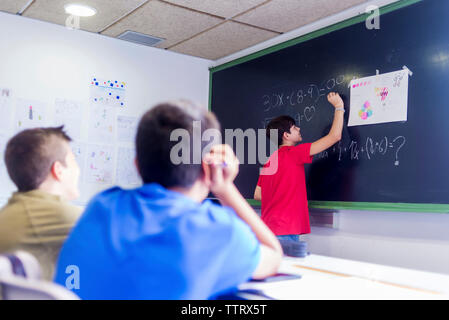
(6, 185)
(379, 99)
(126, 128)
(3, 142)
(127, 174)
(6, 110)
(102, 122)
(109, 93)
(30, 114)
(100, 164)
(80, 151)
(69, 113)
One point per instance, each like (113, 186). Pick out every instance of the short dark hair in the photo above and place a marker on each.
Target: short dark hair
(31, 153)
(153, 145)
(282, 124)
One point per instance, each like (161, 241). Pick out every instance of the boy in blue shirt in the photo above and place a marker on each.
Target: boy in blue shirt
(162, 241)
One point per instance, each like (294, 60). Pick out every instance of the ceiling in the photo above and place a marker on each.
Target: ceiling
(209, 29)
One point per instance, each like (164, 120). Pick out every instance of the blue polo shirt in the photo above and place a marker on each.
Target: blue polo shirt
(153, 243)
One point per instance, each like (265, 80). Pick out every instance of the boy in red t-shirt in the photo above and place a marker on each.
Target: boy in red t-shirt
(282, 190)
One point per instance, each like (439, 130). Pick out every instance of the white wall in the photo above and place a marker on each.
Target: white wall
(42, 61)
(409, 240)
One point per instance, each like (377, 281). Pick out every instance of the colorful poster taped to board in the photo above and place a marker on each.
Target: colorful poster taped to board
(109, 93)
(379, 99)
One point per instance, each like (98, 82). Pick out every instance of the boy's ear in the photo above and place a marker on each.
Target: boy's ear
(56, 170)
(137, 166)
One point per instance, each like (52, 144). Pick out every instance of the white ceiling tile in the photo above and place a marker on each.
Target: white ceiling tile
(222, 8)
(107, 12)
(223, 40)
(286, 15)
(12, 6)
(165, 21)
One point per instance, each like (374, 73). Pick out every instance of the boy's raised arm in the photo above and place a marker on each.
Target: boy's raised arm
(223, 168)
(334, 134)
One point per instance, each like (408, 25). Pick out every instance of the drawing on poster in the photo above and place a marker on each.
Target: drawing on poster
(127, 174)
(69, 113)
(102, 124)
(100, 164)
(398, 79)
(382, 93)
(6, 110)
(108, 92)
(79, 150)
(366, 111)
(379, 99)
(30, 114)
(126, 128)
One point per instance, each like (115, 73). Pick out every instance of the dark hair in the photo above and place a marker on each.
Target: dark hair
(282, 124)
(153, 145)
(31, 153)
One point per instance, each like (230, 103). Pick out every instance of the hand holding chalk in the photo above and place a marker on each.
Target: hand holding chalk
(335, 100)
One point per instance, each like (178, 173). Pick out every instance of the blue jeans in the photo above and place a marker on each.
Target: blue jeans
(294, 237)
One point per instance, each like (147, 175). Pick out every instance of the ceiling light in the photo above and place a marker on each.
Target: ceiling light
(79, 10)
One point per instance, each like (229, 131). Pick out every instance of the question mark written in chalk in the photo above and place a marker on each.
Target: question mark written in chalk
(397, 151)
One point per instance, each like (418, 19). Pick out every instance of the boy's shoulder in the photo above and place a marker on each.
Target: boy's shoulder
(225, 216)
(111, 192)
(108, 196)
(211, 206)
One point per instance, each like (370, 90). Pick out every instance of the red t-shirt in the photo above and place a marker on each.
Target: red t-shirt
(284, 195)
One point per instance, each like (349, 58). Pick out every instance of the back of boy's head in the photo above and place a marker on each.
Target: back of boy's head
(30, 155)
(153, 145)
(282, 124)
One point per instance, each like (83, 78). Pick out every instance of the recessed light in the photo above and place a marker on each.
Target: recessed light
(79, 10)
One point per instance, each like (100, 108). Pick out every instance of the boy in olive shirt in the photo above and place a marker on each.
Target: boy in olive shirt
(38, 218)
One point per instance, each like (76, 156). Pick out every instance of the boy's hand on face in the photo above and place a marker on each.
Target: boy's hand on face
(223, 167)
(335, 100)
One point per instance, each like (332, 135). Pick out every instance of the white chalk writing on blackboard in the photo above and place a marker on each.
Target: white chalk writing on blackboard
(290, 98)
(370, 149)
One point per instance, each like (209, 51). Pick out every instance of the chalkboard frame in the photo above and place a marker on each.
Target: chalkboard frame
(362, 206)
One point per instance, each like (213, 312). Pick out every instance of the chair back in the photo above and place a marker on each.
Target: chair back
(20, 279)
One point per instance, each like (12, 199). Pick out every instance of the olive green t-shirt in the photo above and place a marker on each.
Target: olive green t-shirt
(37, 222)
